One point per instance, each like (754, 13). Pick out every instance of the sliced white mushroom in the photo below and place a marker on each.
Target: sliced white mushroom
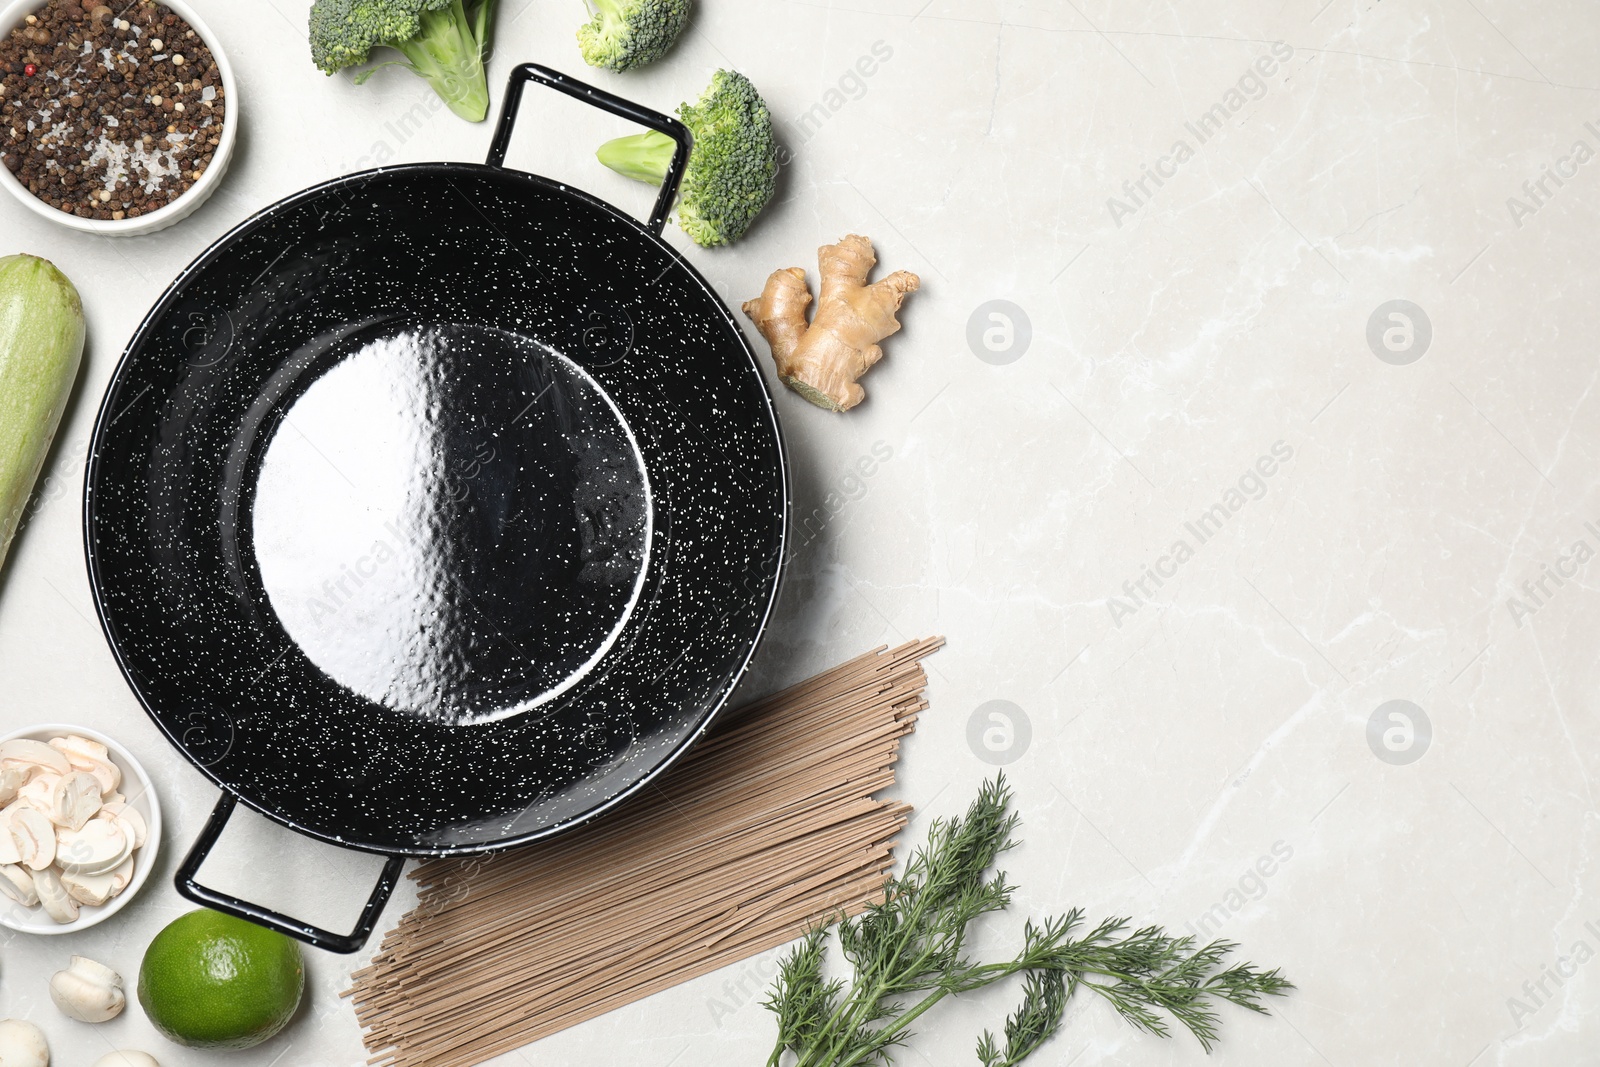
(22, 1044)
(132, 825)
(58, 904)
(86, 755)
(122, 877)
(75, 800)
(113, 797)
(132, 816)
(13, 776)
(91, 889)
(105, 772)
(82, 745)
(97, 889)
(9, 853)
(87, 991)
(99, 848)
(40, 791)
(126, 1058)
(33, 835)
(28, 752)
(17, 883)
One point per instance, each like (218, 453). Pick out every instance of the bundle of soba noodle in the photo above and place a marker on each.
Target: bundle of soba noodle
(768, 825)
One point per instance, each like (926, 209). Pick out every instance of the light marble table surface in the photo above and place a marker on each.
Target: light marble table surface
(1250, 389)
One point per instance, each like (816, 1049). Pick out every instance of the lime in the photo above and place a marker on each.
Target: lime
(209, 980)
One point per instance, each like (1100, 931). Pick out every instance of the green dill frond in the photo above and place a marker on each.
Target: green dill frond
(1044, 1001)
(801, 998)
(912, 945)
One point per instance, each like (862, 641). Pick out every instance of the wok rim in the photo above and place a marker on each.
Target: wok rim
(104, 419)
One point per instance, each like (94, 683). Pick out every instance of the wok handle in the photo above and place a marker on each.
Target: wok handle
(605, 101)
(190, 888)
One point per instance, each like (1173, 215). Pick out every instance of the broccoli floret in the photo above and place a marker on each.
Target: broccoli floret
(733, 167)
(443, 41)
(631, 33)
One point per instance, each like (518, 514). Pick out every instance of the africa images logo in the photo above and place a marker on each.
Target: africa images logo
(1250, 86)
(1251, 485)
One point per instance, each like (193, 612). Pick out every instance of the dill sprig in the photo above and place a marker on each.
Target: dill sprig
(909, 952)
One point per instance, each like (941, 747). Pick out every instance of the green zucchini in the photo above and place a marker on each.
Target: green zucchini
(41, 344)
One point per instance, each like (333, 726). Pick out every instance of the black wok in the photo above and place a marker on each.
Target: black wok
(435, 509)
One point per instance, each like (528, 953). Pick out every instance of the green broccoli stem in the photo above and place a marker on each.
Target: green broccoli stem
(448, 52)
(644, 157)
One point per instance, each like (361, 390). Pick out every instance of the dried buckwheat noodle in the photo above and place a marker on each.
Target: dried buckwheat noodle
(765, 826)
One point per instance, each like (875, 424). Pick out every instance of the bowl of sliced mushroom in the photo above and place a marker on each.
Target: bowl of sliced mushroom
(79, 828)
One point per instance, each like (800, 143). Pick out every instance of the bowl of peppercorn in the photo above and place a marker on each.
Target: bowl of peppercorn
(117, 121)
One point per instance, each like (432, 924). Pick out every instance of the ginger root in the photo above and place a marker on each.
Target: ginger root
(822, 361)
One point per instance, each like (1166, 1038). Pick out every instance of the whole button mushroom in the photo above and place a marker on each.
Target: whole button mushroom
(126, 1058)
(23, 1044)
(87, 991)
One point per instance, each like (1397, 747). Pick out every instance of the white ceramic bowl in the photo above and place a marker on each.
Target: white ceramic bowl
(141, 794)
(11, 16)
